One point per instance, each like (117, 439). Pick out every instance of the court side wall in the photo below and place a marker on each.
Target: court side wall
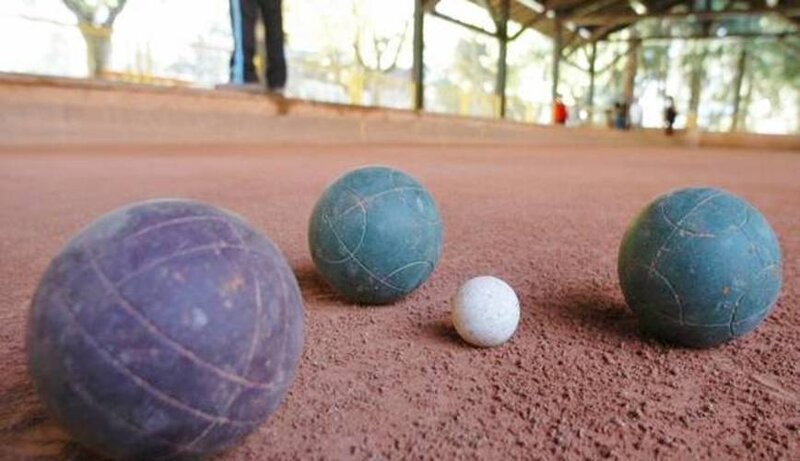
(42, 111)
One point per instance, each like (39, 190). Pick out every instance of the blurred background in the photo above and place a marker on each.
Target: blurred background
(360, 52)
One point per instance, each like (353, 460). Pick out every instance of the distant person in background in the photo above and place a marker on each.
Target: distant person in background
(635, 115)
(560, 113)
(243, 20)
(620, 116)
(670, 114)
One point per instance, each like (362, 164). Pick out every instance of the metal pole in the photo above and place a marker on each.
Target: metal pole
(557, 45)
(502, 36)
(741, 68)
(590, 98)
(419, 63)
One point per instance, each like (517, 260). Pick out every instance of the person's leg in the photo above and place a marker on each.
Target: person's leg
(243, 24)
(276, 60)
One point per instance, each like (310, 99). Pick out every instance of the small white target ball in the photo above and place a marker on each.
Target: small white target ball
(485, 311)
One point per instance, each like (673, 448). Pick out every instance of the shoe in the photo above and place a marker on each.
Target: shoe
(277, 91)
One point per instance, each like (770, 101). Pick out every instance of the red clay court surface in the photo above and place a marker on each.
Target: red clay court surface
(576, 381)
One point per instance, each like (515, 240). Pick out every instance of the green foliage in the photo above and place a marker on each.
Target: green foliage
(475, 65)
(775, 67)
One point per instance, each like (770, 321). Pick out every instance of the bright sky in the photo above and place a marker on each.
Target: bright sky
(170, 27)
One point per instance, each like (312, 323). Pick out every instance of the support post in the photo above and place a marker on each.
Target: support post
(741, 67)
(630, 71)
(419, 48)
(502, 36)
(557, 46)
(695, 86)
(590, 97)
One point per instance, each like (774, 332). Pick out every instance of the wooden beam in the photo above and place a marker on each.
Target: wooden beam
(606, 19)
(488, 5)
(527, 25)
(597, 35)
(574, 65)
(613, 62)
(604, 30)
(766, 35)
(592, 7)
(461, 23)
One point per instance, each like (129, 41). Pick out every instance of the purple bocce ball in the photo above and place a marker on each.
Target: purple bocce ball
(166, 329)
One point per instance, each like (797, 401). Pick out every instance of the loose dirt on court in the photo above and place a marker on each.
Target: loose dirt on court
(576, 381)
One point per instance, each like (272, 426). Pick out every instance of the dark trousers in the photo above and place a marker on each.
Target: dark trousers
(243, 18)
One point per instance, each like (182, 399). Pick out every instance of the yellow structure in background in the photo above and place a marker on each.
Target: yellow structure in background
(142, 78)
(356, 87)
(691, 121)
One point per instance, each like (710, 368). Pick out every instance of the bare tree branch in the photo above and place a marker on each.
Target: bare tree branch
(86, 13)
(80, 9)
(376, 48)
(114, 12)
(357, 38)
(399, 48)
(357, 48)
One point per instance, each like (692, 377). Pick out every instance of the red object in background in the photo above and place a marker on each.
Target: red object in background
(559, 113)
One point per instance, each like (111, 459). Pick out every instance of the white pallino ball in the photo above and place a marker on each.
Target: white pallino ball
(485, 311)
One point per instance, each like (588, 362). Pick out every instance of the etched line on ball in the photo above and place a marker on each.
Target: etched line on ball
(746, 219)
(214, 247)
(756, 248)
(327, 220)
(251, 351)
(403, 198)
(672, 321)
(666, 281)
(154, 330)
(87, 398)
(370, 198)
(680, 221)
(235, 394)
(172, 222)
(735, 309)
(678, 227)
(257, 296)
(363, 266)
(406, 266)
(142, 383)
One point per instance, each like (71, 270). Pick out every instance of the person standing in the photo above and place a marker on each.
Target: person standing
(670, 114)
(620, 116)
(243, 21)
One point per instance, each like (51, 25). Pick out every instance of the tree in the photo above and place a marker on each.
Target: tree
(774, 73)
(695, 62)
(475, 66)
(377, 51)
(96, 21)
